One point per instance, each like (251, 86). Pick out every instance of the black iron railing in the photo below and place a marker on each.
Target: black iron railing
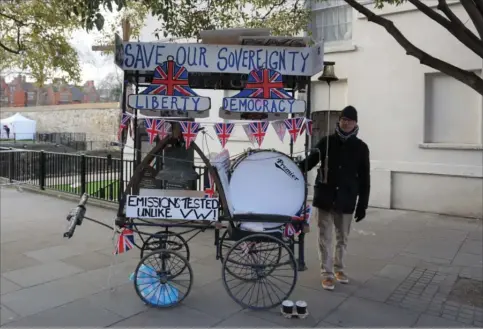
(71, 173)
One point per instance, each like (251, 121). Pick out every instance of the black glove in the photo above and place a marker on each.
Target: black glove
(360, 214)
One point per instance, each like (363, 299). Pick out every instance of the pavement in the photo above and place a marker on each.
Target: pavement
(407, 269)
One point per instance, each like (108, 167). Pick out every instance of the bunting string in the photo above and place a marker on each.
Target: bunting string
(255, 130)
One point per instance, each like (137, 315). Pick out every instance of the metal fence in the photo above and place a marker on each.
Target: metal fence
(71, 173)
(75, 141)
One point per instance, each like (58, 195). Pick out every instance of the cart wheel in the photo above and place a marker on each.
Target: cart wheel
(166, 240)
(266, 272)
(225, 247)
(158, 280)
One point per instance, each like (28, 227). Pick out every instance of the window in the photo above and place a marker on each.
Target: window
(453, 112)
(331, 21)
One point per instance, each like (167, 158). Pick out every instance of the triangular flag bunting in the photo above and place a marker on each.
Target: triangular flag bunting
(164, 130)
(124, 124)
(249, 134)
(280, 129)
(210, 191)
(223, 131)
(289, 230)
(152, 128)
(258, 129)
(294, 126)
(189, 130)
(307, 127)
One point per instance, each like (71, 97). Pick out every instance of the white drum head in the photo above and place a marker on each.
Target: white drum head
(267, 182)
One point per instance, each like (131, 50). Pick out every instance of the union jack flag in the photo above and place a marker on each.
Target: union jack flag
(210, 191)
(289, 230)
(304, 215)
(308, 126)
(264, 83)
(164, 130)
(189, 130)
(125, 242)
(152, 128)
(294, 126)
(223, 131)
(170, 79)
(258, 130)
(124, 124)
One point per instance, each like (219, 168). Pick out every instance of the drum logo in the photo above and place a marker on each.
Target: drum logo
(281, 165)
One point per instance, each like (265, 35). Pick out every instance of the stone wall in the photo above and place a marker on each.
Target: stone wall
(99, 121)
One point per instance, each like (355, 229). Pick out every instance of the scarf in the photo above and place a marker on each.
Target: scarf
(343, 135)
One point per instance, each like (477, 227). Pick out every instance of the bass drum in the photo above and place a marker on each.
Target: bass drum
(266, 182)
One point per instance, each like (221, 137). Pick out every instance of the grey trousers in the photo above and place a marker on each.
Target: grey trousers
(328, 221)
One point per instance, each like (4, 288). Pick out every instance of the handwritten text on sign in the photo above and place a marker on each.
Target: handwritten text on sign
(306, 61)
(233, 104)
(166, 103)
(160, 207)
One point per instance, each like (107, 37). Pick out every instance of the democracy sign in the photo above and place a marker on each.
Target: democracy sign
(144, 56)
(165, 207)
(264, 93)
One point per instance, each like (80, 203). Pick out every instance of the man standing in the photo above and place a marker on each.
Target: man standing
(345, 190)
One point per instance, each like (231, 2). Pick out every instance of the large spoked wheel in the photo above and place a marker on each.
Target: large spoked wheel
(167, 240)
(226, 244)
(163, 278)
(259, 272)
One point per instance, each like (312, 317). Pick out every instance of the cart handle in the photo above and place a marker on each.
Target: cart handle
(76, 216)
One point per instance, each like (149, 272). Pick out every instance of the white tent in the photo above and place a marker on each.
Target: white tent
(21, 128)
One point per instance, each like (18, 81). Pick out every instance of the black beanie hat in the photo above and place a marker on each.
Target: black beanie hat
(349, 112)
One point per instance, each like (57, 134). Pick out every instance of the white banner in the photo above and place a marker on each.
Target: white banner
(166, 207)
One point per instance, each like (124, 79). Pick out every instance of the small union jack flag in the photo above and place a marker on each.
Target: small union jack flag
(264, 83)
(124, 124)
(258, 130)
(289, 230)
(189, 130)
(294, 126)
(210, 191)
(153, 126)
(307, 127)
(170, 79)
(304, 215)
(164, 130)
(125, 242)
(223, 131)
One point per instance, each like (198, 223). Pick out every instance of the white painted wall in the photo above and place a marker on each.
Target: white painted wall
(424, 130)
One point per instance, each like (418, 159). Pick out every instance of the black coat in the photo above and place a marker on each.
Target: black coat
(348, 174)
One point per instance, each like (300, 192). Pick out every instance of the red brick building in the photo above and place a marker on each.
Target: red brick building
(20, 93)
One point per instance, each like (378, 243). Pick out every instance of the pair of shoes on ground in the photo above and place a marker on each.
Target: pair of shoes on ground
(329, 283)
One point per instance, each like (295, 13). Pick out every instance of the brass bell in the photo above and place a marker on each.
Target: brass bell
(328, 74)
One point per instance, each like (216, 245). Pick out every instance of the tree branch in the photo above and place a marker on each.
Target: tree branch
(453, 25)
(468, 78)
(475, 15)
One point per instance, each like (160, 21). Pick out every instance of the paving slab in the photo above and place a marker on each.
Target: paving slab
(7, 315)
(89, 261)
(45, 272)
(402, 266)
(7, 286)
(121, 300)
(180, 316)
(319, 305)
(358, 312)
(79, 313)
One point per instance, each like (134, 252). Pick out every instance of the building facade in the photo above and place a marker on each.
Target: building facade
(424, 129)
